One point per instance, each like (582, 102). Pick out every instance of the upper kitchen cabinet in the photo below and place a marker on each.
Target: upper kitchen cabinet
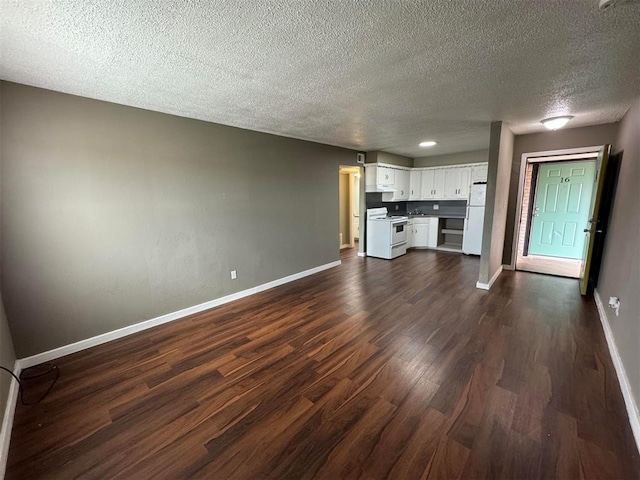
(457, 182)
(402, 185)
(433, 183)
(392, 181)
(379, 178)
(479, 173)
(415, 185)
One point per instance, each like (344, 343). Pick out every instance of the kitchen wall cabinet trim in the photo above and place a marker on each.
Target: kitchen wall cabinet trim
(426, 183)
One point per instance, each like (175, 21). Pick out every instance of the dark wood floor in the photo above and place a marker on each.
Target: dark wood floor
(375, 369)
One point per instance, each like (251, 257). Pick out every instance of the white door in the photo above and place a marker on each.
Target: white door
(427, 184)
(472, 236)
(415, 185)
(386, 176)
(401, 185)
(451, 182)
(439, 178)
(432, 239)
(421, 235)
(480, 173)
(465, 183)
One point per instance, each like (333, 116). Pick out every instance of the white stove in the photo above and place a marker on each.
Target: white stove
(386, 235)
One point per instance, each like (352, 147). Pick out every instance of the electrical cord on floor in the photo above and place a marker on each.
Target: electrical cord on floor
(51, 368)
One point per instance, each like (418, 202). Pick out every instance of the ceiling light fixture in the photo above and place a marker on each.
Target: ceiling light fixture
(554, 123)
(429, 143)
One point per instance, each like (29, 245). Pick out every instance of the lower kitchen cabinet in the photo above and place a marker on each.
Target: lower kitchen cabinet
(424, 233)
(410, 233)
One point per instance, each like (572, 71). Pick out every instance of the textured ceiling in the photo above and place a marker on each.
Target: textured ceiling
(369, 75)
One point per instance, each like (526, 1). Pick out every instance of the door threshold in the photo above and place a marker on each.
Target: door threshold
(562, 267)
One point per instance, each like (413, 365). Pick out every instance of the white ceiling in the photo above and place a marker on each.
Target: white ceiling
(369, 75)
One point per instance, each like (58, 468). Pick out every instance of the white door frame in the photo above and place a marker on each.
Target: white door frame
(351, 171)
(538, 157)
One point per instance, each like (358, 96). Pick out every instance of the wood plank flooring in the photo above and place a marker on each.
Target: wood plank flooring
(374, 369)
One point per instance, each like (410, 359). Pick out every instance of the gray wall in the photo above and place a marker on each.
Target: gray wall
(493, 233)
(390, 158)
(113, 215)
(475, 156)
(7, 359)
(7, 352)
(620, 273)
(544, 141)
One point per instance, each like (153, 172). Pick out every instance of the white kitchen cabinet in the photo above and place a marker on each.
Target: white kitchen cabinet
(451, 183)
(410, 233)
(401, 185)
(400, 188)
(432, 236)
(479, 173)
(379, 178)
(465, 183)
(386, 176)
(415, 184)
(421, 235)
(424, 232)
(457, 182)
(433, 183)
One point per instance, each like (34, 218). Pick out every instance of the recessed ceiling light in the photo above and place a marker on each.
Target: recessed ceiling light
(429, 143)
(554, 123)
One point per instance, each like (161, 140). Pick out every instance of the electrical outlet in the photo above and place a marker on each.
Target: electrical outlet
(397, 207)
(234, 274)
(614, 302)
(436, 207)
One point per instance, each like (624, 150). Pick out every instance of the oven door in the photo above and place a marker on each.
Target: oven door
(398, 232)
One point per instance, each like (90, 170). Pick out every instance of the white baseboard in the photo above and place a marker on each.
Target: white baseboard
(508, 267)
(362, 254)
(7, 420)
(623, 379)
(487, 286)
(169, 317)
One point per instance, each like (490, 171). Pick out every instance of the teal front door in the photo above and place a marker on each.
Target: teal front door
(561, 209)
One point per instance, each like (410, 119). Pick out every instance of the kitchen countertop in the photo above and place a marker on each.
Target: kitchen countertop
(448, 215)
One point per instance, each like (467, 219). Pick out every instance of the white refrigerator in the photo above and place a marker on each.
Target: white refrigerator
(472, 238)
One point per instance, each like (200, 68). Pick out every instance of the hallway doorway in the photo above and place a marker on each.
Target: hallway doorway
(349, 206)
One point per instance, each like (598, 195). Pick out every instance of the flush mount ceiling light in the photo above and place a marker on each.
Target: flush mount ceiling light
(429, 143)
(554, 123)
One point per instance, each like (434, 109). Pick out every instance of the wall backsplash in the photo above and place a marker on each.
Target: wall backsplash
(374, 200)
(453, 208)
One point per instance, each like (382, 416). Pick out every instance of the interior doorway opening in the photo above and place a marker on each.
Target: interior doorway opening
(349, 206)
(555, 198)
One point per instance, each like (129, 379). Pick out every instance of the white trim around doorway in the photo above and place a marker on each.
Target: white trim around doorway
(538, 157)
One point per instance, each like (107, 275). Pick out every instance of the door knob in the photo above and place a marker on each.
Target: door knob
(586, 230)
